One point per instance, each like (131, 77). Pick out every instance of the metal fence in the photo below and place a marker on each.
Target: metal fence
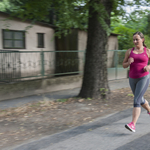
(9, 65)
(25, 65)
(114, 63)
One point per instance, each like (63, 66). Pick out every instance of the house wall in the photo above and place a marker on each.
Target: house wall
(114, 72)
(31, 34)
(115, 69)
(112, 45)
(39, 87)
(82, 40)
(30, 61)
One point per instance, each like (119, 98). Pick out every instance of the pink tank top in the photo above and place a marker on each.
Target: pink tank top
(140, 61)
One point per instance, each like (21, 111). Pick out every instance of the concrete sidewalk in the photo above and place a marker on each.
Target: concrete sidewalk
(107, 133)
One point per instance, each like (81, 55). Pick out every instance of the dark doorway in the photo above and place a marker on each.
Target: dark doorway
(66, 59)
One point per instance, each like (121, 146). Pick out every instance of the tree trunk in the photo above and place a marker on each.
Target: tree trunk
(95, 81)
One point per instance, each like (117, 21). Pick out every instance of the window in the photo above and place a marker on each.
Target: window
(13, 39)
(40, 40)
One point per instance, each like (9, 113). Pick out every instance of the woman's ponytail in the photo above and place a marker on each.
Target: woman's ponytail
(144, 44)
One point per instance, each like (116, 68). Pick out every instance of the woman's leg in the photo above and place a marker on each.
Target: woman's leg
(136, 111)
(135, 114)
(146, 106)
(141, 87)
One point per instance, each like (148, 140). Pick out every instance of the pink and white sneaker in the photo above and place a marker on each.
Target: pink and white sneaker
(130, 127)
(148, 113)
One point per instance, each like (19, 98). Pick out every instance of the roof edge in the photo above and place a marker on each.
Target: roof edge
(27, 21)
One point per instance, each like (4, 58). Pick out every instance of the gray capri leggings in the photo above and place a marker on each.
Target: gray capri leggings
(139, 87)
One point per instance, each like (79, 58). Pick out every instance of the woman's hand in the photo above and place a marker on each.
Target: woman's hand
(130, 60)
(147, 68)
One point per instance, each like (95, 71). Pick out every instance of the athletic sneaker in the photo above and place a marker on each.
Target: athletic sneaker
(148, 113)
(130, 127)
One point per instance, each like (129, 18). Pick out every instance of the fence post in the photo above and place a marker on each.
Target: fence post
(42, 64)
(116, 63)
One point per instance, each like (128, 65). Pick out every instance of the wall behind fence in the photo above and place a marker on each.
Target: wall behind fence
(41, 64)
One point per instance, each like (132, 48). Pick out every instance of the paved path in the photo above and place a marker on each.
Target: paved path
(103, 134)
(106, 133)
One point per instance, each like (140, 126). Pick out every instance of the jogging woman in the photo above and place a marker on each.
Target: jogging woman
(137, 58)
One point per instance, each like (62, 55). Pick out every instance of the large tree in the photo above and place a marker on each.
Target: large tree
(95, 82)
(78, 14)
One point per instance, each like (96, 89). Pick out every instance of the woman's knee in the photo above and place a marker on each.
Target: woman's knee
(136, 105)
(144, 103)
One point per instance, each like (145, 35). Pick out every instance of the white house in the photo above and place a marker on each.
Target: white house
(23, 36)
(29, 39)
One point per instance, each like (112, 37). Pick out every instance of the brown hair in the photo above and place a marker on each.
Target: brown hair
(141, 36)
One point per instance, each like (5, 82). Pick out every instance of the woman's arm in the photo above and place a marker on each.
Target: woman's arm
(127, 61)
(147, 68)
(148, 53)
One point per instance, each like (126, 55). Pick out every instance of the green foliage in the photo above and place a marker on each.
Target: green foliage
(103, 92)
(138, 20)
(6, 6)
(66, 14)
(126, 30)
(147, 27)
(69, 14)
(139, 23)
(62, 100)
(103, 89)
(131, 95)
(147, 40)
(125, 38)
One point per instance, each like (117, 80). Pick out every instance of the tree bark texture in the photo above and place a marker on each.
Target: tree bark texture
(95, 81)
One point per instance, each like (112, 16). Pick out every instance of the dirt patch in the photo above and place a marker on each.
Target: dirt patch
(36, 120)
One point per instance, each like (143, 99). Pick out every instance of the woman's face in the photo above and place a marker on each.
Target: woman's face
(137, 40)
